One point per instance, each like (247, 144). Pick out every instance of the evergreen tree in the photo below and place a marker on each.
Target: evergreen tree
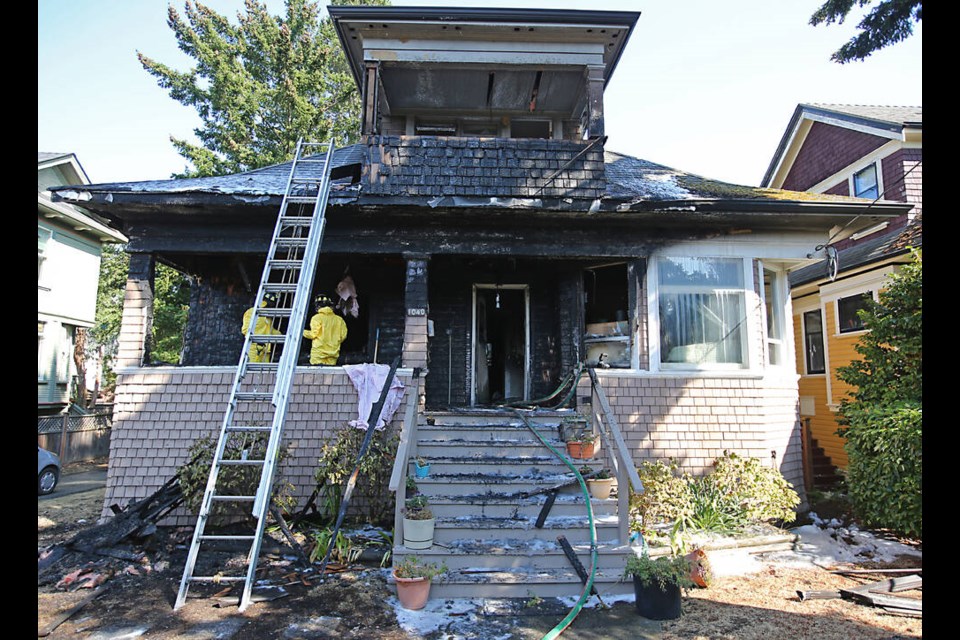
(259, 84)
(889, 22)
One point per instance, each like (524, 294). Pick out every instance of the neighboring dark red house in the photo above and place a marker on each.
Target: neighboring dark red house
(873, 152)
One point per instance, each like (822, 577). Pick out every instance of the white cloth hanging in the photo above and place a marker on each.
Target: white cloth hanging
(368, 379)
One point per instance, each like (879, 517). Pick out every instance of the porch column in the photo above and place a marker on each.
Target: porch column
(418, 307)
(370, 99)
(595, 127)
(136, 328)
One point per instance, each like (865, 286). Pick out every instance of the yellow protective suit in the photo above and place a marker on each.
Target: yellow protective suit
(258, 352)
(328, 331)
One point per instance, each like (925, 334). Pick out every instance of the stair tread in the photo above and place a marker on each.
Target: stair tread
(495, 522)
(520, 575)
(509, 547)
(513, 499)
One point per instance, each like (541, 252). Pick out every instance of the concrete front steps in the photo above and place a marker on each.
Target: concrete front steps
(483, 464)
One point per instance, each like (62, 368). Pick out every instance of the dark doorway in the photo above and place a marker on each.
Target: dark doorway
(500, 349)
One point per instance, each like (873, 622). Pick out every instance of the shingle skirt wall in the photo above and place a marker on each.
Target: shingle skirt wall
(159, 413)
(696, 419)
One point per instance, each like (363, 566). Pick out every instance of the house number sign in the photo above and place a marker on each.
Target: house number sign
(417, 311)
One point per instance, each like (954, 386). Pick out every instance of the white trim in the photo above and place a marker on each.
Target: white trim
(752, 246)
(789, 156)
(869, 281)
(853, 126)
(653, 314)
(781, 292)
(828, 368)
(806, 303)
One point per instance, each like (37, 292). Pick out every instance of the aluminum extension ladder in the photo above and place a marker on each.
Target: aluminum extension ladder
(261, 386)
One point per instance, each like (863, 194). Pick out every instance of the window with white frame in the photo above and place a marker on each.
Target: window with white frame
(43, 236)
(847, 311)
(702, 312)
(813, 342)
(41, 365)
(773, 298)
(866, 184)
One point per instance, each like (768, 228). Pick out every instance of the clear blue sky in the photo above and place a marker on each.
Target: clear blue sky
(704, 86)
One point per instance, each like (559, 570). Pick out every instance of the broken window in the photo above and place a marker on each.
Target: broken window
(606, 314)
(522, 128)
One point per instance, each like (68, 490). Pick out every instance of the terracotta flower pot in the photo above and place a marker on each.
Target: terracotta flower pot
(581, 450)
(699, 568)
(418, 534)
(600, 488)
(413, 593)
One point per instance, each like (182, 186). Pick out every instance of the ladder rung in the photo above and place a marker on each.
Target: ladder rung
(253, 367)
(280, 287)
(291, 242)
(217, 579)
(253, 395)
(296, 221)
(249, 429)
(262, 338)
(302, 199)
(225, 537)
(241, 463)
(234, 498)
(285, 264)
(274, 312)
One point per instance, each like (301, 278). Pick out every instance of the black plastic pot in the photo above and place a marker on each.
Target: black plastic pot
(656, 603)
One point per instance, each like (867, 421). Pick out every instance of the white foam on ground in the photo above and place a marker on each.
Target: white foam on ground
(437, 614)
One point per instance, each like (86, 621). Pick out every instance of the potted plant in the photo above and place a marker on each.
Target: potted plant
(657, 584)
(422, 467)
(413, 581)
(582, 445)
(418, 523)
(601, 484)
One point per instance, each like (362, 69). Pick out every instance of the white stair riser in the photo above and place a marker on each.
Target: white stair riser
(462, 449)
(493, 434)
(576, 534)
(441, 590)
(552, 560)
(493, 466)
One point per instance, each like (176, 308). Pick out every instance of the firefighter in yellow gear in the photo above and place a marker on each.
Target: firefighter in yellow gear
(259, 352)
(327, 331)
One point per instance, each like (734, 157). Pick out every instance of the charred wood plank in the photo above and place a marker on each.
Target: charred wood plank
(878, 600)
(545, 509)
(890, 585)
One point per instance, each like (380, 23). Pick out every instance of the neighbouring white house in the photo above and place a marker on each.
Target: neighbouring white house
(69, 242)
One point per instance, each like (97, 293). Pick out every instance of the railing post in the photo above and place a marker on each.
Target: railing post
(63, 438)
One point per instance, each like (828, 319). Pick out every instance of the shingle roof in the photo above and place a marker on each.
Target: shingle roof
(627, 178)
(869, 250)
(883, 113)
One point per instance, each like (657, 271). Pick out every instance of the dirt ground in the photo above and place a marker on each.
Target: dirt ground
(136, 600)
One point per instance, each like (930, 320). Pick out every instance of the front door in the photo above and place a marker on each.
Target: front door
(501, 344)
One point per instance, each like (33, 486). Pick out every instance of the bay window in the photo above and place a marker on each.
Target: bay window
(702, 312)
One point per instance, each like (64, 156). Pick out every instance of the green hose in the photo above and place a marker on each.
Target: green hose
(563, 624)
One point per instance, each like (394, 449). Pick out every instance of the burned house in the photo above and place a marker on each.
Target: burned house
(495, 242)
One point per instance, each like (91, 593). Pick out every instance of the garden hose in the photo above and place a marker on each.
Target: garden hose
(588, 587)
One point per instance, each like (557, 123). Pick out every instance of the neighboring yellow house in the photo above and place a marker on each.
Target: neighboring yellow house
(872, 152)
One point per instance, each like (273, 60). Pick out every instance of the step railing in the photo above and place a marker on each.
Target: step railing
(405, 451)
(626, 471)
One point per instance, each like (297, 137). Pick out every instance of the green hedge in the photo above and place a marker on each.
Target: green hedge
(885, 472)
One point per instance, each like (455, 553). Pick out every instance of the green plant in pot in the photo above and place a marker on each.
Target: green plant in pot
(600, 484)
(582, 444)
(657, 584)
(413, 579)
(418, 523)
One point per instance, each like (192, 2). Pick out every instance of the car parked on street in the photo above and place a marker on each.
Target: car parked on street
(48, 471)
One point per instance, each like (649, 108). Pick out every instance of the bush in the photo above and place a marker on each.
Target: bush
(882, 420)
(336, 463)
(756, 491)
(231, 480)
(665, 498)
(665, 570)
(885, 472)
(739, 491)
